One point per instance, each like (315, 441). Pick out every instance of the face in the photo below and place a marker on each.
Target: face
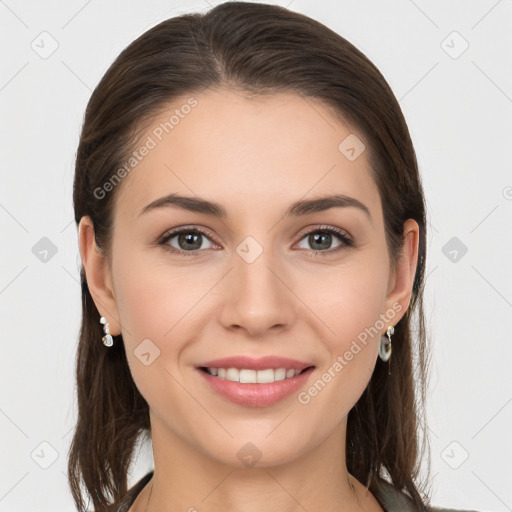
(314, 285)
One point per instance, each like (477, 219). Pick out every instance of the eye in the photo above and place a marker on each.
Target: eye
(321, 239)
(186, 241)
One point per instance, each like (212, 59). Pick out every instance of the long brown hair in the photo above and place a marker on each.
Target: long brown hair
(258, 49)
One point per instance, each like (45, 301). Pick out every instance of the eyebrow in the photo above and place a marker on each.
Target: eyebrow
(301, 207)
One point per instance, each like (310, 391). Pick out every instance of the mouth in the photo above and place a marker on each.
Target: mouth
(251, 376)
(255, 388)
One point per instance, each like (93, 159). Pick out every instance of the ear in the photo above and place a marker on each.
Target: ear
(97, 272)
(402, 277)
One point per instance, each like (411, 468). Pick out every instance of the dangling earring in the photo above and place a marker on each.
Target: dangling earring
(107, 339)
(385, 345)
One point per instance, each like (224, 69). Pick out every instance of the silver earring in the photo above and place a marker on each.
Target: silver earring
(385, 344)
(107, 339)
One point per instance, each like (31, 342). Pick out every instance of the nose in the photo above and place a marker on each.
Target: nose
(257, 297)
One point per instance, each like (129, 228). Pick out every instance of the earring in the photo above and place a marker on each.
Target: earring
(385, 345)
(107, 339)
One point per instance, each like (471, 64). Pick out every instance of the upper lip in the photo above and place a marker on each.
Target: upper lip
(262, 363)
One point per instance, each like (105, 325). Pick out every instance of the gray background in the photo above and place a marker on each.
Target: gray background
(458, 105)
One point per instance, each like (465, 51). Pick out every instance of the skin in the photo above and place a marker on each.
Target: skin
(255, 156)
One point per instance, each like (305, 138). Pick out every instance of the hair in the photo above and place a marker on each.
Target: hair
(257, 49)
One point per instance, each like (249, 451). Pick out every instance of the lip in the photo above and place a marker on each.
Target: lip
(262, 363)
(256, 395)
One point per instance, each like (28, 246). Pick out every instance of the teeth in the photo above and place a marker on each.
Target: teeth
(253, 376)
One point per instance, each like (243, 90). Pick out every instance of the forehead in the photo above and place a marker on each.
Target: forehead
(246, 152)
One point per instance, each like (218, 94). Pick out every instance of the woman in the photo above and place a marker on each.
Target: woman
(252, 232)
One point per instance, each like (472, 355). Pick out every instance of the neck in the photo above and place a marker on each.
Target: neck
(185, 479)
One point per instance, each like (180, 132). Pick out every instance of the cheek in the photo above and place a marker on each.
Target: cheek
(154, 300)
(351, 304)
(153, 310)
(351, 298)
(159, 308)
(353, 316)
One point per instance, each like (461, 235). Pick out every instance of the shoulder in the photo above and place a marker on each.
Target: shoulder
(441, 509)
(127, 500)
(393, 500)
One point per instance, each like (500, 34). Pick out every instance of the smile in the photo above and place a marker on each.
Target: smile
(240, 387)
(248, 376)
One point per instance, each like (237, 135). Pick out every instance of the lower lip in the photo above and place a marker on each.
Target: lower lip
(256, 395)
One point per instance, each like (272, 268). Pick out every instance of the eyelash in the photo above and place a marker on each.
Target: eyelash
(342, 236)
